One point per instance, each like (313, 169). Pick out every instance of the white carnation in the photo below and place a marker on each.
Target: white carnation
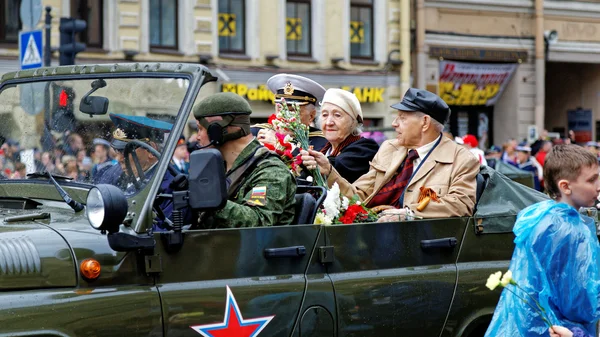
(345, 203)
(332, 202)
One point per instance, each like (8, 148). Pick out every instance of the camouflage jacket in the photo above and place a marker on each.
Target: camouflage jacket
(265, 196)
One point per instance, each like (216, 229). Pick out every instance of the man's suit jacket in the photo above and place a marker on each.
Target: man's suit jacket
(450, 170)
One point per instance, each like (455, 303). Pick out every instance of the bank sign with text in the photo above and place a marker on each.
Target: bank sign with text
(262, 93)
(463, 83)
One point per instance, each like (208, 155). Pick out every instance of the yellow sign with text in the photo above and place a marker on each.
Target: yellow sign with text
(262, 93)
(367, 95)
(467, 94)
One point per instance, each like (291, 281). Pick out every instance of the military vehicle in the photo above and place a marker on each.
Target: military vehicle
(81, 259)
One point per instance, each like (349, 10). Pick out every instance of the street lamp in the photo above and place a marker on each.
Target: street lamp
(550, 37)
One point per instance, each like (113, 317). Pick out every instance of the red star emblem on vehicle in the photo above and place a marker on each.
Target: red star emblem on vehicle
(233, 325)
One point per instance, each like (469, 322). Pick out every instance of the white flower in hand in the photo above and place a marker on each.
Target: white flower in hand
(494, 280)
(506, 279)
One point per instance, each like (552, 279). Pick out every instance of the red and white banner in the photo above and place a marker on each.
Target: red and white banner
(464, 83)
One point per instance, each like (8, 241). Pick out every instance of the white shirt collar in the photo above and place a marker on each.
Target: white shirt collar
(424, 150)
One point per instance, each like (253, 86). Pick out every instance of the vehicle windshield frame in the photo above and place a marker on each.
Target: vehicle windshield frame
(197, 75)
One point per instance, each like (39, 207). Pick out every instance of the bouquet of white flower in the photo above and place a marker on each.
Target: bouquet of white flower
(338, 209)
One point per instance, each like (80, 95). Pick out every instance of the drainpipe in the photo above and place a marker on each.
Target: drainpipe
(405, 46)
(421, 57)
(540, 66)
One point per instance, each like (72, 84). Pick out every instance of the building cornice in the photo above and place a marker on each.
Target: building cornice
(491, 42)
(565, 51)
(509, 6)
(572, 8)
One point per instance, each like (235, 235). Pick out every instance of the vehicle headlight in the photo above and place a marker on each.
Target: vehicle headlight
(95, 208)
(106, 207)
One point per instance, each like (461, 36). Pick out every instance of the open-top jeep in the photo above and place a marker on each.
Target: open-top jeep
(78, 259)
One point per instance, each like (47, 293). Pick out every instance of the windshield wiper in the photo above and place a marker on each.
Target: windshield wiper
(45, 174)
(75, 205)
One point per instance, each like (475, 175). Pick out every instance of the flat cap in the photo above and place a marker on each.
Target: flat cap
(425, 102)
(295, 88)
(222, 103)
(139, 128)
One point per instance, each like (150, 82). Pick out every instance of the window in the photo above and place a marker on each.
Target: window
(163, 24)
(361, 29)
(297, 27)
(10, 22)
(231, 26)
(91, 12)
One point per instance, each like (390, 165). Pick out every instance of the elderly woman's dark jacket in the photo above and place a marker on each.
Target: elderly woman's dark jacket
(352, 160)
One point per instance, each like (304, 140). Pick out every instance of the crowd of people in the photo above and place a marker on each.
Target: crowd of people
(522, 155)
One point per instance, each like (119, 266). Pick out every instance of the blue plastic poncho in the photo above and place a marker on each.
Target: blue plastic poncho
(556, 262)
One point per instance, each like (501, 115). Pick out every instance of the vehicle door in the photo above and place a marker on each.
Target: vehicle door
(228, 281)
(394, 278)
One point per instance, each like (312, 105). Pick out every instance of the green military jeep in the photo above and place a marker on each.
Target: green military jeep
(81, 259)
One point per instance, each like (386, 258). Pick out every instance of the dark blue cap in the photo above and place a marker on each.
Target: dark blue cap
(137, 127)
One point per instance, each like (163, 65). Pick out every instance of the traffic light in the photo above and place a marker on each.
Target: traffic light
(62, 118)
(69, 27)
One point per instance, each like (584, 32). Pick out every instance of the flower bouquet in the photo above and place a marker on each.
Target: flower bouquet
(339, 209)
(287, 122)
(283, 148)
(497, 279)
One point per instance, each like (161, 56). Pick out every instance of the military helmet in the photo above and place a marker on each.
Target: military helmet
(234, 110)
(223, 103)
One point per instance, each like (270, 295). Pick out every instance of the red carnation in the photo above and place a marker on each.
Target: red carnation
(272, 118)
(269, 146)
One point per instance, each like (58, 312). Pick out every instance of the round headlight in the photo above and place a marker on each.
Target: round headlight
(106, 207)
(95, 208)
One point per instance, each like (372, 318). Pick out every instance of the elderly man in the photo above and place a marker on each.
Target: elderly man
(419, 159)
(261, 188)
(295, 89)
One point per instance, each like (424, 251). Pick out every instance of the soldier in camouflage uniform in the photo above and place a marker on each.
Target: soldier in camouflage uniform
(260, 186)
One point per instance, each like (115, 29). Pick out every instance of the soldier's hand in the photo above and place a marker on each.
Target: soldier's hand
(266, 136)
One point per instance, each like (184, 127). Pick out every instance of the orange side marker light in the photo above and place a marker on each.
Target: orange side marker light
(90, 269)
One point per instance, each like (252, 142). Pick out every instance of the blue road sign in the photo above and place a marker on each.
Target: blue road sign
(30, 49)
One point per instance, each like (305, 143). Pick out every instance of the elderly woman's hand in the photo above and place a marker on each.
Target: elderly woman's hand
(312, 158)
(266, 136)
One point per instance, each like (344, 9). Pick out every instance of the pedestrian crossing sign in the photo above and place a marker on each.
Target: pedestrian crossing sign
(30, 49)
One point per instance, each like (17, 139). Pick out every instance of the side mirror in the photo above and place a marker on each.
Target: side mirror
(94, 105)
(207, 188)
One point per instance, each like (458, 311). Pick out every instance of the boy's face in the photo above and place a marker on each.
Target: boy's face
(582, 192)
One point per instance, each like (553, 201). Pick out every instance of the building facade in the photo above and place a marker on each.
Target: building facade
(244, 42)
(489, 60)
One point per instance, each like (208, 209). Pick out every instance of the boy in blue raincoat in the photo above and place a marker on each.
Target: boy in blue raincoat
(556, 253)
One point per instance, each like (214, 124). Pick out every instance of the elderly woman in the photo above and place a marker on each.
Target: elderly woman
(346, 150)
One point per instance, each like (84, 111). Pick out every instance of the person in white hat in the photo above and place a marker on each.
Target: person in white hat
(526, 163)
(341, 122)
(295, 89)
